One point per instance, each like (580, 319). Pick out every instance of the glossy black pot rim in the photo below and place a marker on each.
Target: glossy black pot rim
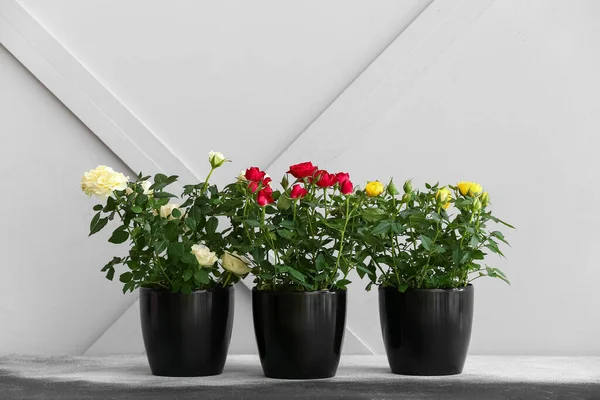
(167, 291)
(439, 290)
(303, 293)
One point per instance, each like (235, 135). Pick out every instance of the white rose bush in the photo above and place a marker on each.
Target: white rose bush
(172, 246)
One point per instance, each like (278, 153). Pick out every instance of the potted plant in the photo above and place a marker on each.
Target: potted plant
(295, 239)
(186, 299)
(424, 249)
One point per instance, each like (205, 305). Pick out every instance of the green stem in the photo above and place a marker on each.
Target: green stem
(205, 186)
(337, 261)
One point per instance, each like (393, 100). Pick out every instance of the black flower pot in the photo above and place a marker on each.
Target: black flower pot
(187, 334)
(299, 334)
(426, 331)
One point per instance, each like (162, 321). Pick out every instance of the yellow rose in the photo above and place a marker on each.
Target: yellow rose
(469, 188)
(374, 188)
(167, 210)
(235, 263)
(205, 257)
(443, 197)
(103, 181)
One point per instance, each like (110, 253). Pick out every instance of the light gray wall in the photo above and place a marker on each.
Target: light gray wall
(52, 300)
(510, 104)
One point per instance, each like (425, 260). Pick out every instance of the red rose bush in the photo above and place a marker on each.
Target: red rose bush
(295, 236)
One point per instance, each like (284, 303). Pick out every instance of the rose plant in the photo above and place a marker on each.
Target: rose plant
(294, 237)
(173, 246)
(435, 238)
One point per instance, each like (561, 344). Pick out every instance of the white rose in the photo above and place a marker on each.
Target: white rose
(205, 257)
(146, 186)
(128, 191)
(242, 176)
(103, 181)
(235, 263)
(167, 210)
(216, 159)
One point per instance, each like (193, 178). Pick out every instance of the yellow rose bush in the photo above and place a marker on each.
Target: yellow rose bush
(173, 246)
(434, 238)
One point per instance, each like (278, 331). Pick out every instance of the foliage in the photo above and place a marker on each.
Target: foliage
(295, 236)
(415, 240)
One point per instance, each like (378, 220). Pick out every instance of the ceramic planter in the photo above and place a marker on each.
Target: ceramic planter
(187, 334)
(426, 331)
(299, 334)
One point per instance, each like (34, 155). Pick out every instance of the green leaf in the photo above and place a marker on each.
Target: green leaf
(160, 177)
(196, 213)
(286, 223)
(176, 213)
(373, 214)
(187, 275)
(97, 224)
(175, 251)
(474, 241)
(493, 246)
(189, 258)
(163, 195)
(119, 235)
(136, 209)
(499, 235)
(98, 207)
(426, 241)
(190, 223)
(161, 246)
(110, 273)
(141, 199)
(320, 262)
(252, 223)
(284, 233)
(111, 205)
(211, 225)
(342, 283)
(126, 277)
(496, 273)
(296, 274)
(382, 227)
(501, 222)
(201, 276)
(284, 203)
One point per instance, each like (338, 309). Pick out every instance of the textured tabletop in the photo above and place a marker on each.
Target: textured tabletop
(359, 377)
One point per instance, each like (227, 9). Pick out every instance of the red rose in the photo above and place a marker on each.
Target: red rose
(303, 170)
(254, 185)
(265, 196)
(298, 192)
(342, 176)
(254, 174)
(346, 187)
(324, 179)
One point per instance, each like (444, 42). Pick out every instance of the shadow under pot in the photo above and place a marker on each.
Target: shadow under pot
(187, 334)
(426, 331)
(299, 334)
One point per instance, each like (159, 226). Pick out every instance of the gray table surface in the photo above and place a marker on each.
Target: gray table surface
(358, 377)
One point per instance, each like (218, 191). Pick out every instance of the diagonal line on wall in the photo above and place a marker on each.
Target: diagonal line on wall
(386, 79)
(303, 130)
